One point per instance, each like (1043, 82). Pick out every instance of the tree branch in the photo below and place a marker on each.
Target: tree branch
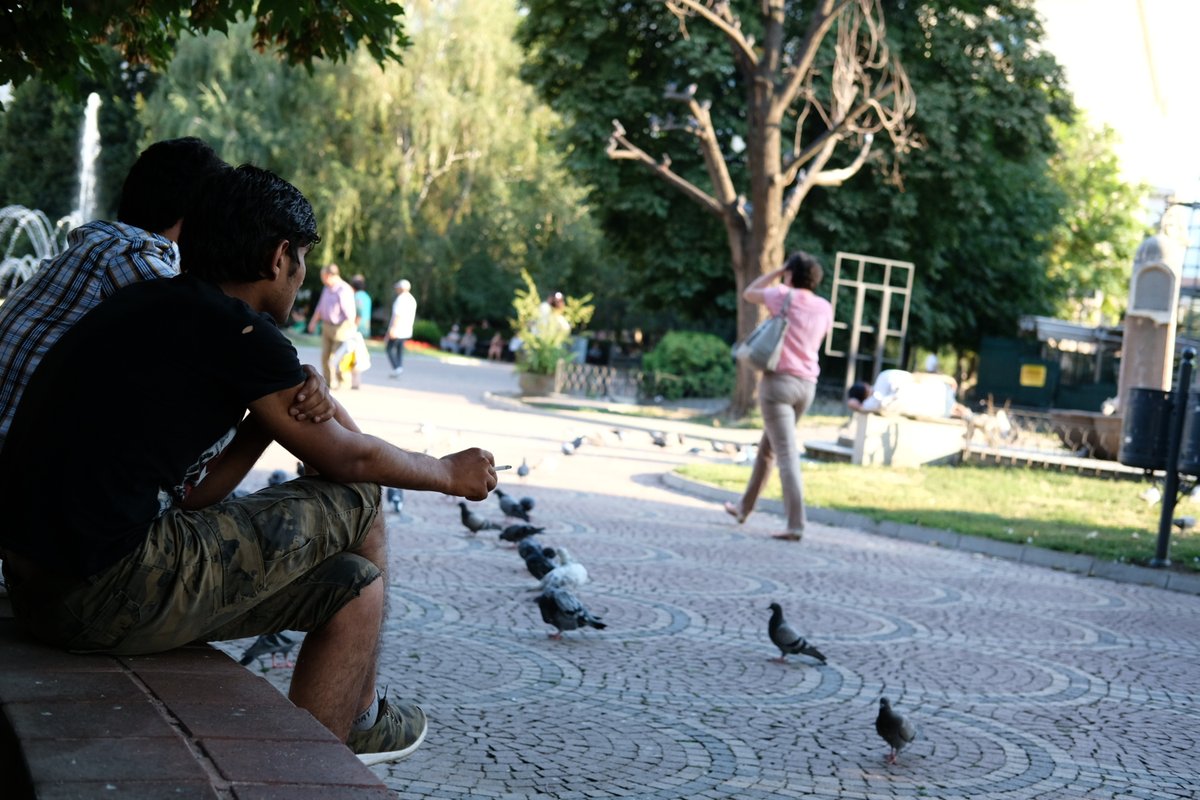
(823, 18)
(620, 148)
(721, 17)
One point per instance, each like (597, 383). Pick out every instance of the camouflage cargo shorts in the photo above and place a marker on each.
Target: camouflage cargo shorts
(274, 560)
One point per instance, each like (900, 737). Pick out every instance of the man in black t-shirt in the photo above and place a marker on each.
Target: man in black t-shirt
(145, 554)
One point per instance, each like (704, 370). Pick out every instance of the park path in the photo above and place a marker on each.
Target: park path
(1023, 682)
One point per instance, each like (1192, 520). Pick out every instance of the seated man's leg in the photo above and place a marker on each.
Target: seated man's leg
(305, 555)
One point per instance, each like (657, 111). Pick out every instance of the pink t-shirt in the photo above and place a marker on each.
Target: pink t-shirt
(809, 319)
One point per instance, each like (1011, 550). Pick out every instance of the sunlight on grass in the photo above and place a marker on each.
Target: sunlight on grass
(1071, 513)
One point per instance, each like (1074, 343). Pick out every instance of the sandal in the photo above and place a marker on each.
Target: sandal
(788, 536)
(732, 511)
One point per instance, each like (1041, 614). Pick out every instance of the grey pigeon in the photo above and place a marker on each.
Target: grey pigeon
(396, 498)
(269, 644)
(474, 522)
(563, 610)
(523, 470)
(511, 507)
(658, 438)
(515, 533)
(526, 503)
(277, 477)
(894, 729)
(537, 559)
(787, 640)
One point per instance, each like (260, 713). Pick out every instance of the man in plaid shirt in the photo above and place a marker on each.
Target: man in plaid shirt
(103, 257)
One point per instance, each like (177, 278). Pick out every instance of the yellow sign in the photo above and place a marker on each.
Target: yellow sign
(1033, 375)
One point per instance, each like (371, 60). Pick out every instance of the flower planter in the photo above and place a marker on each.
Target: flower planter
(535, 384)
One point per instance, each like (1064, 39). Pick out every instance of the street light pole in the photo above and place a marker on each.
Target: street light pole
(1179, 410)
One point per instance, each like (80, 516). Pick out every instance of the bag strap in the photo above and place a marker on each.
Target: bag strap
(787, 302)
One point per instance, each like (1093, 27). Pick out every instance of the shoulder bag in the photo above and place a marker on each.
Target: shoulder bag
(762, 347)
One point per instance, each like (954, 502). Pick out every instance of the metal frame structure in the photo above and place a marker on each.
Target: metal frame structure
(892, 281)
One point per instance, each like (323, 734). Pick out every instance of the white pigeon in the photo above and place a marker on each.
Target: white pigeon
(569, 573)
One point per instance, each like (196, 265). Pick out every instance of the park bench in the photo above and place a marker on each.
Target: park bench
(188, 723)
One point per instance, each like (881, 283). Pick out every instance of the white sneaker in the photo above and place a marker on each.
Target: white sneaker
(396, 372)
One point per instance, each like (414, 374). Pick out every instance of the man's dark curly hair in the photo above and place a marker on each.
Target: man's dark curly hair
(240, 217)
(806, 272)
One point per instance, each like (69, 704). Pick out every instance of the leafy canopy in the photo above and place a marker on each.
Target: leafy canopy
(58, 40)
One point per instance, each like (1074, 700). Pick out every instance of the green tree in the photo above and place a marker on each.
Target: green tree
(976, 206)
(804, 84)
(1092, 249)
(63, 42)
(441, 173)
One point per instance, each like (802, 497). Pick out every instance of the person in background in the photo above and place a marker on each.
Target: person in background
(362, 305)
(898, 391)
(400, 327)
(336, 315)
(785, 394)
(466, 345)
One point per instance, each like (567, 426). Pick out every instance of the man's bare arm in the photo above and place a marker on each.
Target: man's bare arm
(230, 466)
(342, 454)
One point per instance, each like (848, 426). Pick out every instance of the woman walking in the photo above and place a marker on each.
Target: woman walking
(787, 392)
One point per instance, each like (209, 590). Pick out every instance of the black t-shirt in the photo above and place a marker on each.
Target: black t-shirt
(123, 412)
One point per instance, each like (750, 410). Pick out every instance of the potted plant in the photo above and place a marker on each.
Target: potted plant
(545, 335)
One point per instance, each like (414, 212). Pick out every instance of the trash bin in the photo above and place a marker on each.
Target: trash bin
(1146, 429)
(1189, 445)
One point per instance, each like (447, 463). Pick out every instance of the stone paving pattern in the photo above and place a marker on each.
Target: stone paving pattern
(1023, 682)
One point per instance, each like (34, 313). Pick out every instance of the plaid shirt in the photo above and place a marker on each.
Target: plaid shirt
(100, 258)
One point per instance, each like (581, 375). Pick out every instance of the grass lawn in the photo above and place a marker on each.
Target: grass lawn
(1071, 513)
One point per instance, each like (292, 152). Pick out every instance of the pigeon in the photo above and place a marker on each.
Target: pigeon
(537, 559)
(526, 503)
(787, 640)
(511, 507)
(894, 729)
(269, 644)
(527, 546)
(563, 610)
(396, 498)
(658, 438)
(568, 449)
(567, 575)
(617, 433)
(475, 523)
(277, 477)
(515, 533)
(523, 470)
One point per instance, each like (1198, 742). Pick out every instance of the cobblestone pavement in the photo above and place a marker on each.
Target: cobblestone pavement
(1023, 682)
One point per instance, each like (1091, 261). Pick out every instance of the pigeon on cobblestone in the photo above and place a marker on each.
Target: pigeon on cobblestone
(567, 575)
(563, 610)
(396, 498)
(474, 522)
(787, 640)
(537, 559)
(515, 533)
(269, 644)
(510, 506)
(895, 730)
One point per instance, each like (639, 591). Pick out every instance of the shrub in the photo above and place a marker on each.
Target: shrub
(428, 331)
(688, 364)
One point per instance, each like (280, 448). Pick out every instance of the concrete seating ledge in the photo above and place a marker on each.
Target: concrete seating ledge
(188, 723)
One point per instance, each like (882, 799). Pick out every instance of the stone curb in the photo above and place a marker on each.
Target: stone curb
(1011, 551)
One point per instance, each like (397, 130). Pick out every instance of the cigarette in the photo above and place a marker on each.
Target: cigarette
(501, 469)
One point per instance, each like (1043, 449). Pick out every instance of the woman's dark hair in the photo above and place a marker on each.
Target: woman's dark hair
(359, 283)
(240, 217)
(162, 184)
(859, 391)
(806, 272)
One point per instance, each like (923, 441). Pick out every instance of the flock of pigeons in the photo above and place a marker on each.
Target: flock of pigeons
(554, 568)
(558, 574)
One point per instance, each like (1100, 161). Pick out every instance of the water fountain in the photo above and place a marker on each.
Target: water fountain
(29, 232)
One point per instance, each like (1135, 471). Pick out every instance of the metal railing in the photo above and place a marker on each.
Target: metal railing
(598, 382)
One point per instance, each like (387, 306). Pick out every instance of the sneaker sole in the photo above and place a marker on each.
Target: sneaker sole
(371, 759)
